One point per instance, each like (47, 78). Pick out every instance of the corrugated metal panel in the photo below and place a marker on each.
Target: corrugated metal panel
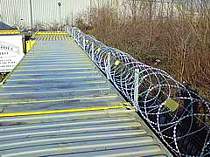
(4, 26)
(101, 133)
(57, 75)
(44, 11)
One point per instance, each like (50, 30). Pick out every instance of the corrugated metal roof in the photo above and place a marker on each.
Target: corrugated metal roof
(5, 26)
(100, 133)
(57, 75)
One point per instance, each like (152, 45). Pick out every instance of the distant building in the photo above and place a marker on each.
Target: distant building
(18, 12)
(44, 12)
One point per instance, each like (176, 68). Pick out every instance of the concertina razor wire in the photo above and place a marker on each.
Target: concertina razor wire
(178, 115)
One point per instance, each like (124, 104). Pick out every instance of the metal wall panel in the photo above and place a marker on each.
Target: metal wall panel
(44, 11)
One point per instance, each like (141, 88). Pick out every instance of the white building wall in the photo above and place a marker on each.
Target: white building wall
(16, 12)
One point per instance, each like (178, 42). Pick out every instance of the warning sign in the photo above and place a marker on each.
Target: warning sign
(11, 51)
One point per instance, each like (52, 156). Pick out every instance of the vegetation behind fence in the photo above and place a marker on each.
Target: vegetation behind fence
(171, 35)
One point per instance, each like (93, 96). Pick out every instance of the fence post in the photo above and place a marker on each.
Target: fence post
(74, 34)
(136, 88)
(78, 36)
(92, 51)
(108, 69)
(83, 42)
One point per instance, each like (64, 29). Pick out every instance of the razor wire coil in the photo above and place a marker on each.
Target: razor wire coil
(179, 116)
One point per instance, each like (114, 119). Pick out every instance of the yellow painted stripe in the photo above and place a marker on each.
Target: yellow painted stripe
(10, 32)
(31, 113)
(51, 33)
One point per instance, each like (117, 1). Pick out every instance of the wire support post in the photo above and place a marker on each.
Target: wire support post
(78, 35)
(83, 43)
(92, 51)
(136, 89)
(73, 33)
(108, 67)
